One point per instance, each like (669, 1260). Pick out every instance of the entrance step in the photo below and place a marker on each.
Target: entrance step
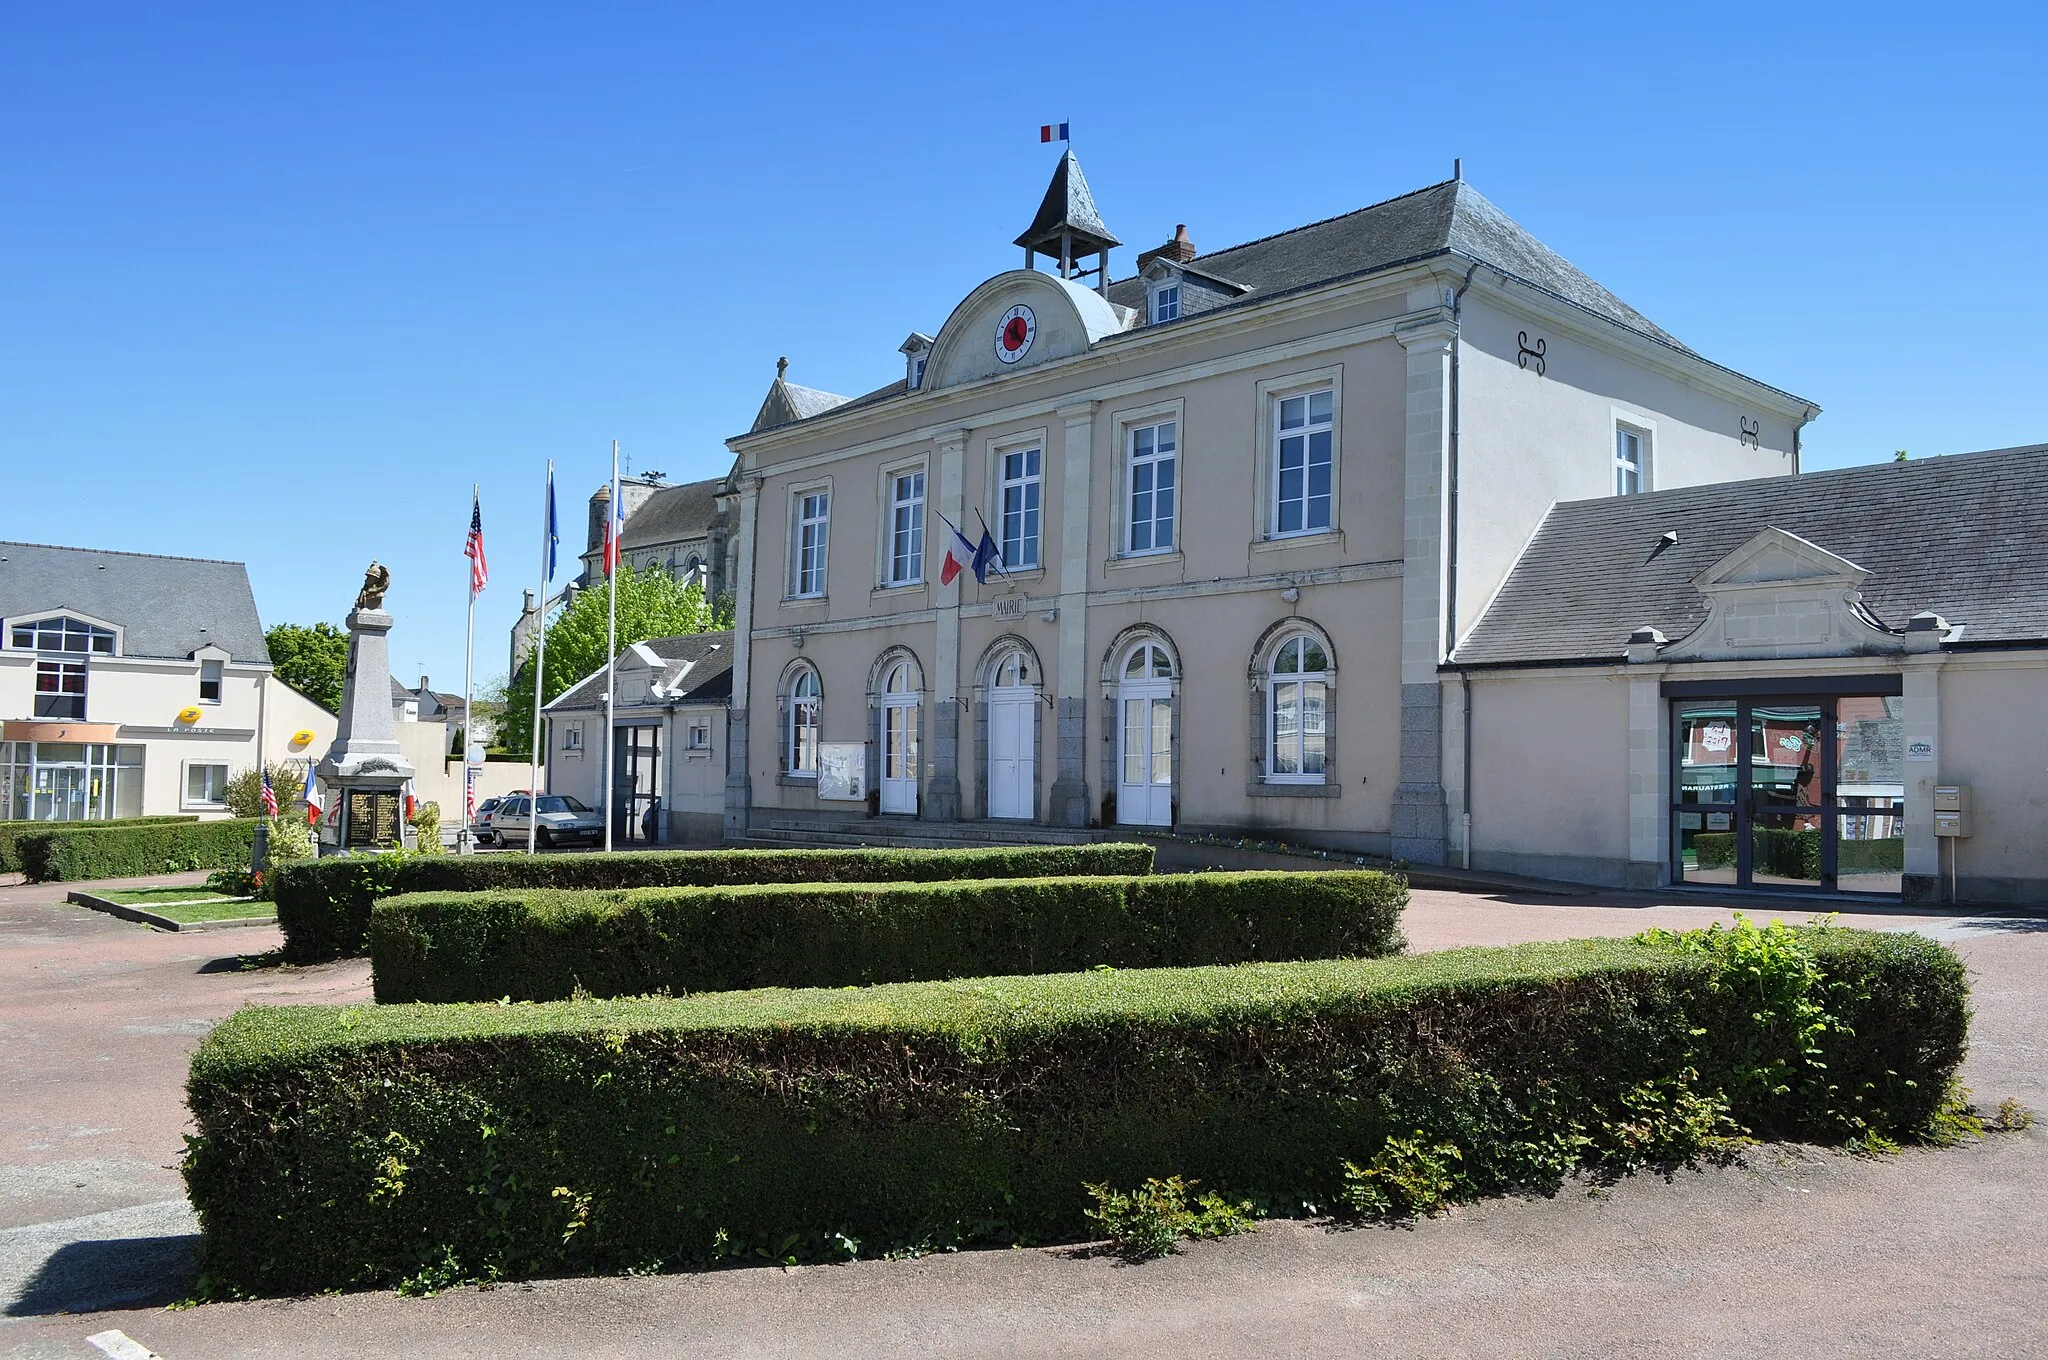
(910, 833)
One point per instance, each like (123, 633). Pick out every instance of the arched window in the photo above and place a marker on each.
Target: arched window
(1297, 707)
(800, 724)
(899, 680)
(1014, 671)
(1148, 661)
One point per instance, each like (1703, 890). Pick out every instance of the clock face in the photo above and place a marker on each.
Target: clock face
(1015, 331)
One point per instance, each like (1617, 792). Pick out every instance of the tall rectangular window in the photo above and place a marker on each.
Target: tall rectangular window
(1153, 482)
(1630, 445)
(1166, 304)
(906, 528)
(1022, 491)
(1303, 443)
(60, 688)
(813, 510)
(209, 682)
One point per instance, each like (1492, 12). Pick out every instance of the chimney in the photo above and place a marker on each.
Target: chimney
(1180, 249)
(425, 688)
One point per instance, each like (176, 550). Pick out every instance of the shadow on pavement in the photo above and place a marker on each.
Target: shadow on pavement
(127, 1272)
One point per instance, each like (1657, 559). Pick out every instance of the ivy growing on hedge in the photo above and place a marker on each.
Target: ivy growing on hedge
(545, 945)
(78, 851)
(324, 906)
(13, 832)
(422, 1145)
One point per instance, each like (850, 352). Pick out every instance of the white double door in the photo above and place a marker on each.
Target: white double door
(1012, 751)
(1144, 782)
(899, 754)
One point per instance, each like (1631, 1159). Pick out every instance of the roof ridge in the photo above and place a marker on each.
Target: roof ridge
(1307, 226)
(1745, 483)
(122, 552)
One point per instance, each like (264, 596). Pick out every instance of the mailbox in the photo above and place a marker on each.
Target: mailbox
(1951, 809)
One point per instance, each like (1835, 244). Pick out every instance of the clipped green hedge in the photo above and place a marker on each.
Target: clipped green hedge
(344, 1147)
(324, 905)
(542, 946)
(1785, 853)
(11, 834)
(89, 850)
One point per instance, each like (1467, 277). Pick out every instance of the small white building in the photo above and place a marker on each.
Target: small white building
(134, 685)
(1825, 683)
(669, 708)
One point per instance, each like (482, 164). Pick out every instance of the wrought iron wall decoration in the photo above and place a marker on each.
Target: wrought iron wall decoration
(1531, 353)
(1752, 432)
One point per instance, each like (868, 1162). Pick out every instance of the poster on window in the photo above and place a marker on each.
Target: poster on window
(843, 771)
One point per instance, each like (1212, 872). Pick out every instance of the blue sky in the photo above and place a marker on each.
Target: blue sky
(278, 282)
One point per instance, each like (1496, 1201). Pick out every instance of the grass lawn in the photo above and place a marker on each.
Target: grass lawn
(189, 905)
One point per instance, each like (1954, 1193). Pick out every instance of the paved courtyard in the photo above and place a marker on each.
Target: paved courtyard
(1801, 1252)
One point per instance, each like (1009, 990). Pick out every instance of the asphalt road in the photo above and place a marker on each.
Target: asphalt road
(1800, 1252)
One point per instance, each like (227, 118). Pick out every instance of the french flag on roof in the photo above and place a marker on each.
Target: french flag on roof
(1053, 132)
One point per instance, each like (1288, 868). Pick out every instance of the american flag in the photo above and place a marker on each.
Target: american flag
(269, 796)
(473, 549)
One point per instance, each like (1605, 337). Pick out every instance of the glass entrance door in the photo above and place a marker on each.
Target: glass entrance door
(636, 786)
(1790, 794)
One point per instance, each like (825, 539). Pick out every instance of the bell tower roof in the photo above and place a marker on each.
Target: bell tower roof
(1067, 216)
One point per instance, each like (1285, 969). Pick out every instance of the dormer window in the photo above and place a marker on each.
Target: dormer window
(915, 351)
(60, 634)
(1166, 303)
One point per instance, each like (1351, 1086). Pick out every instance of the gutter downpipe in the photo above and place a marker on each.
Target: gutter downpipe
(1451, 567)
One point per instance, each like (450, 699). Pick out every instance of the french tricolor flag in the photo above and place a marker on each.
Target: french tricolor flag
(1053, 132)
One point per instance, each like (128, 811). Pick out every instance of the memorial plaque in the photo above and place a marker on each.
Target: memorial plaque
(372, 820)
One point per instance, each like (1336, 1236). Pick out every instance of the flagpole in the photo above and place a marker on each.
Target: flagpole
(613, 565)
(540, 648)
(466, 840)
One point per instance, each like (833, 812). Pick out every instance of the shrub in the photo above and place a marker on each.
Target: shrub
(426, 826)
(244, 792)
(1150, 1221)
(374, 1145)
(548, 945)
(324, 907)
(87, 850)
(12, 832)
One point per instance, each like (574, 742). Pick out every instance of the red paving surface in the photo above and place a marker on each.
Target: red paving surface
(98, 1018)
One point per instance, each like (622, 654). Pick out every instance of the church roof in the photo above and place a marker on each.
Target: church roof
(673, 513)
(1447, 218)
(1958, 535)
(1068, 206)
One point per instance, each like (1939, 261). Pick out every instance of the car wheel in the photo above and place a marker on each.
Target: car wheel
(544, 839)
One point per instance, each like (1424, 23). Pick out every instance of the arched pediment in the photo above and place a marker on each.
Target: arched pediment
(1067, 318)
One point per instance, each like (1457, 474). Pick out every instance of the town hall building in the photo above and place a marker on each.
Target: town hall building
(1246, 502)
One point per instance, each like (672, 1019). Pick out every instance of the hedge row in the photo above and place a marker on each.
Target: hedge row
(324, 905)
(543, 946)
(12, 833)
(1796, 854)
(88, 850)
(367, 1146)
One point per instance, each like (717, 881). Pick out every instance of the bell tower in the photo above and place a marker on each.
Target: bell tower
(1068, 227)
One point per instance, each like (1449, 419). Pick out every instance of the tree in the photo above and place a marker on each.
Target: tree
(244, 793)
(652, 604)
(312, 661)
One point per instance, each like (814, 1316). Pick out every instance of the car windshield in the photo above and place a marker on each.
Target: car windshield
(562, 804)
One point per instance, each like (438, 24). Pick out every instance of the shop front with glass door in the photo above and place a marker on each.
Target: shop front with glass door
(66, 781)
(1797, 786)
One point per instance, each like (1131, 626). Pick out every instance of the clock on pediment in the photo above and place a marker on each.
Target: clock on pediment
(1015, 330)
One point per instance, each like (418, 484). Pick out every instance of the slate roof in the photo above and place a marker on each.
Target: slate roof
(708, 677)
(1068, 206)
(1962, 535)
(1443, 218)
(672, 513)
(166, 606)
(787, 403)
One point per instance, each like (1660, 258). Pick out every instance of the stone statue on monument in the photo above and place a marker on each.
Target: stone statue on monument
(376, 581)
(365, 766)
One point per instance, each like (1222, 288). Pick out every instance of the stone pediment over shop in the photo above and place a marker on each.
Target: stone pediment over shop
(1780, 595)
